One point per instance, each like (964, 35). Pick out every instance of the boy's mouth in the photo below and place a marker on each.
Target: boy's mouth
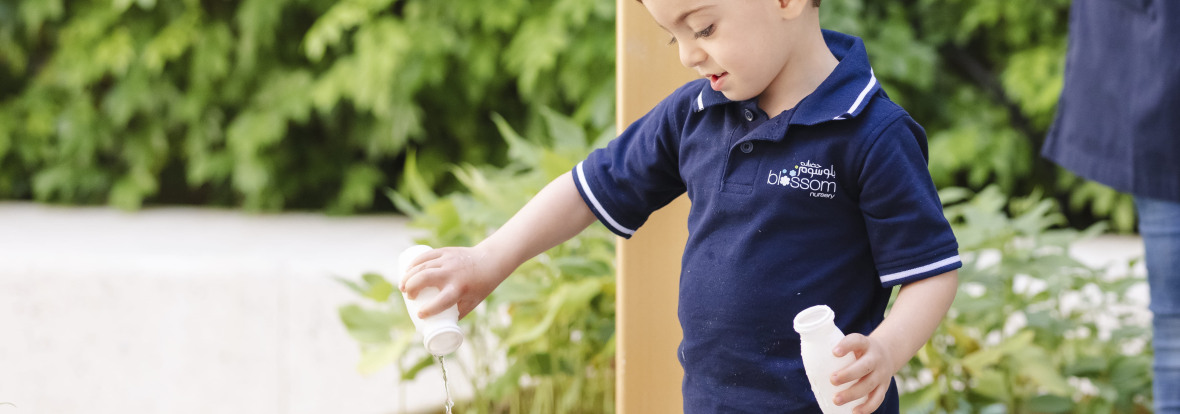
(715, 80)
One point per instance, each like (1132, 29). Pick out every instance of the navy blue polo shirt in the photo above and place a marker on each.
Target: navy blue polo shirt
(828, 203)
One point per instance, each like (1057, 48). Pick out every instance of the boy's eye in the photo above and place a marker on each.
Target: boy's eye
(706, 32)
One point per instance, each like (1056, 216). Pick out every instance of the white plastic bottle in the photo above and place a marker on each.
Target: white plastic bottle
(440, 332)
(818, 335)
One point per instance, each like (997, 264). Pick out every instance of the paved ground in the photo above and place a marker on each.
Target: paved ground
(190, 311)
(184, 311)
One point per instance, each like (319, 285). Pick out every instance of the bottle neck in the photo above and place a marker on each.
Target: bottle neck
(819, 332)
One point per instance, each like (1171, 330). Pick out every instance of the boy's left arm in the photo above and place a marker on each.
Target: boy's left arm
(916, 312)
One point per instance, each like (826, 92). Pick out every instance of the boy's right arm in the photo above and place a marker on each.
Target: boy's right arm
(467, 275)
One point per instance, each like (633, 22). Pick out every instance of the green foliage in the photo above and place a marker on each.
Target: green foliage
(1032, 330)
(270, 104)
(544, 341)
(314, 103)
(983, 78)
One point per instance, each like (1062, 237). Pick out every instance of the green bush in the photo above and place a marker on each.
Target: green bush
(314, 103)
(271, 104)
(543, 342)
(1032, 330)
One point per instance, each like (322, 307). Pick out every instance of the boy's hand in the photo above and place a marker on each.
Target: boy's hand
(918, 309)
(467, 275)
(870, 374)
(463, 275)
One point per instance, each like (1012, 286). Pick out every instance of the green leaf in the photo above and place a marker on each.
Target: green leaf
(171, 42)
(919, 401)
(368, 325)
(567, 135)
(1050, 404)
(414, 187)
(422, 363)
(568, 296)
(519, 149)
(540, 364)
(378, 357)
(378, 288)
(329, 29)
(1036, 364)
(1131, 373)
(991, 384)
(982, 360)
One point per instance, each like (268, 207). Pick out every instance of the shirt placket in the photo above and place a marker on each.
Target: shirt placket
(742, 162)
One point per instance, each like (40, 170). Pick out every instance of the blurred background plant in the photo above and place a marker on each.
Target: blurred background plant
(1032, 330)
(543, 342)
(273, 104)
(314, 104)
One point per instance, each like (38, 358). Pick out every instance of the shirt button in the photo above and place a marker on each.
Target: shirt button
(747, 147)
(749, 115)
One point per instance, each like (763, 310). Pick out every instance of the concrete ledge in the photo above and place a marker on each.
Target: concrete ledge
(180, 310)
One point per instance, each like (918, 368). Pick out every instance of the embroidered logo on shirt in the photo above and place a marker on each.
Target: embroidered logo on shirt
(817, 180)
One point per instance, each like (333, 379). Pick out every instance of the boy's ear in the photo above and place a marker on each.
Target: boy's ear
(790, 9)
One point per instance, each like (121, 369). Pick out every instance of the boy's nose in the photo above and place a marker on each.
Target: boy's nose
(691, 56)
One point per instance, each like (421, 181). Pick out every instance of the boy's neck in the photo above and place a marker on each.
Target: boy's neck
(802, 74)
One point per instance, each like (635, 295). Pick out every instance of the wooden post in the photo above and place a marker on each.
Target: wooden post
(649, 375)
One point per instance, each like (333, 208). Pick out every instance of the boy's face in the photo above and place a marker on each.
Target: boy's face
(741, 46)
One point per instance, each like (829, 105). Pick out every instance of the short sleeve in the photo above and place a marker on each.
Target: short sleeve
(908, 234)
(638, 172)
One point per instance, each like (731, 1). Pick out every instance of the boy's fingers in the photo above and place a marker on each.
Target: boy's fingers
(407, 273)
(444, 300)
(855, 343)
(417, 265)
(873, 402)
(858, 389)
(422, 274)
(422, 278)
(855, 371)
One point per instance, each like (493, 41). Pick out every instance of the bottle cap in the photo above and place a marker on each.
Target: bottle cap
(443, 341)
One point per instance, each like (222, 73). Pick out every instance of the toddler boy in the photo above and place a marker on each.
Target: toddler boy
(808, 186)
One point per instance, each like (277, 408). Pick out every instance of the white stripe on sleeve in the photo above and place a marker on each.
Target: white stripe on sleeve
(907, 273)
(598, 206)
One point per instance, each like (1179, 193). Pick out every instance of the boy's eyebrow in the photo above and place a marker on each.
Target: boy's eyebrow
(690, 12)
(682, 16)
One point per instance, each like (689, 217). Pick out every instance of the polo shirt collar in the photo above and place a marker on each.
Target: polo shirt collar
(844, 94)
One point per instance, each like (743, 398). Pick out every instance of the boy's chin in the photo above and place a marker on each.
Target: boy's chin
(738, 95)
